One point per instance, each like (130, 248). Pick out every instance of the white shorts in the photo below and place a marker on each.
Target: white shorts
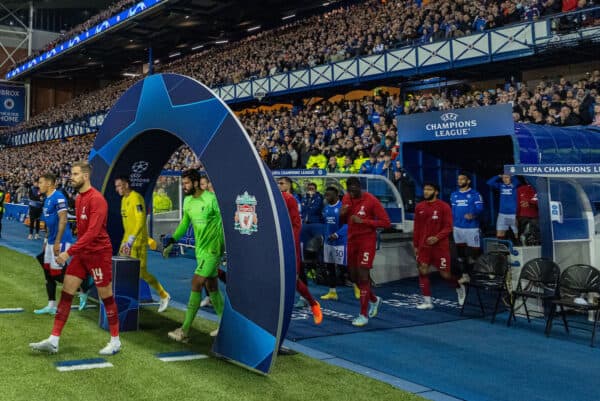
(49, 255)
(334, 254)
(469, 236)
(506, 221)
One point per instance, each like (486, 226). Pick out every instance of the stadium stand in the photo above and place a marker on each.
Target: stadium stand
(286, 137)
(366, 28)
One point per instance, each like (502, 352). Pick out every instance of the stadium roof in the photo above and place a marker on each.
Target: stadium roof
(91, 4)
(177, 26)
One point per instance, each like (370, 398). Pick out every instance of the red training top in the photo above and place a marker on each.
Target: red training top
(91, 211)
(432, 219)
(292, 207)
(371, 212)
(527, 195)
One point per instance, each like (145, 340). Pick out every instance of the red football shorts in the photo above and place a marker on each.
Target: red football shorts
(99, 265)
(361, 253)
(438, 256)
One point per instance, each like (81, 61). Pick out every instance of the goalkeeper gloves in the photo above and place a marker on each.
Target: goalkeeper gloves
(168, 247)
(126, 247)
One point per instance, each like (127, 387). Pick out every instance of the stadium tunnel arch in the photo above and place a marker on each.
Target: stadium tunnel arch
(440, 159)
(146, 125)
(427, 157)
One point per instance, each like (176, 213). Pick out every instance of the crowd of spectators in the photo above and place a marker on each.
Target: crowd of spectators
(367, 28)
(350, 136)
(360, 29)
(22, 166)
(548, 102)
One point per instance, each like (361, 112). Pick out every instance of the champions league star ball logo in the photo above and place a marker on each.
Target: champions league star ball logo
(139, 167)
(449, 117)
(246, 220)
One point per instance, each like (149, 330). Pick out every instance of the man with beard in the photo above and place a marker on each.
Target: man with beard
(467, 206)
(432, 227)
(91, 254)
(200, 208)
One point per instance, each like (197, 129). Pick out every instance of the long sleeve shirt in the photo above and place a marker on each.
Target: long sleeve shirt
(508, 194)
(91, 211)
(432, 219)
(370, 211)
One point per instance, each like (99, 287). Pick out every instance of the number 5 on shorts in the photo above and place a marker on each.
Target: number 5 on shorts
(365, 257)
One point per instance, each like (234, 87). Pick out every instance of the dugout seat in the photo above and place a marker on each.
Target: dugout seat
(489, 275)
(577, 283)
(538, 280)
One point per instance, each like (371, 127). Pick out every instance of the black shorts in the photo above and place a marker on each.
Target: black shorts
(35, 213)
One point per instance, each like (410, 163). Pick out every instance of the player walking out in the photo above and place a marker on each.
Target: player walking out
(135, 236)
(467, 206)
(292, 207)
(335, 239)
(432, 227)
(92, 253)
(200, 208)
(364, 214)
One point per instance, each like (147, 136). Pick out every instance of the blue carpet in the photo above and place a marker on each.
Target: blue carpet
(398, 310)
(475, 360)
(14, 236)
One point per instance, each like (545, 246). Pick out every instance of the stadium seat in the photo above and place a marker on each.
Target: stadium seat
(538, 280)
(489, 274)
(577, 283)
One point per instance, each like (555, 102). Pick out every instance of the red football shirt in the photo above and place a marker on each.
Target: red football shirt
(292, 207)
(91, 211)
(371, 212)
(432, 219)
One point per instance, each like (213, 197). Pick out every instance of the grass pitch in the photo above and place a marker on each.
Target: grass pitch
(137, 374)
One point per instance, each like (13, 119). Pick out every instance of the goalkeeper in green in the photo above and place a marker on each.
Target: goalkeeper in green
(200, 208)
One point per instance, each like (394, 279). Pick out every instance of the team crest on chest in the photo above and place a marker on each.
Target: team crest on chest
(246, 219)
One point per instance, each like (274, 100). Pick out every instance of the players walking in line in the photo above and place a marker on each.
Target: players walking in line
(92, 253)
(507, 210)
(432, 228)
(200, 208)
(467, 206)
(364, 214)
(292, 207)
(135, 235)
(334, 249)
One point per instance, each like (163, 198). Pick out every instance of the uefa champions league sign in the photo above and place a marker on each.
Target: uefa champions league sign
(140, 133)
(457, 124)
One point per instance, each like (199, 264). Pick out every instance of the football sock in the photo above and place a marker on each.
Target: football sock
(62, 313)
(112, 315)
(424, 284)
(192, 309)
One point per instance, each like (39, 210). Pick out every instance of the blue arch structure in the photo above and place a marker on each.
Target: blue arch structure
(146, 125)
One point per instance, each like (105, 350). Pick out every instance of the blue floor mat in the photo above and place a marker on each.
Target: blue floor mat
(398, 310)
(475, 360)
